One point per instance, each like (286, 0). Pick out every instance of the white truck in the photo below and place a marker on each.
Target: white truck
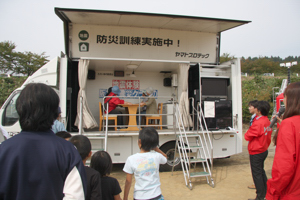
(176, 55)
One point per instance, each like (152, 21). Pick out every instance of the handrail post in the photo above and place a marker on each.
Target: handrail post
(139, 114)
(80, 116)
(105, 106)
(193, 111)
(106, 128)
(208, 135)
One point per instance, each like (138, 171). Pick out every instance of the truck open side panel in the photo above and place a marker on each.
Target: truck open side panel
(142, 50)
(178, 56)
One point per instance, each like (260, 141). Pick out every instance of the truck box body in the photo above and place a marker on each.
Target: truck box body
(136, 51)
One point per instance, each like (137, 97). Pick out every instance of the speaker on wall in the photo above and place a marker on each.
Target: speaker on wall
(91, 74)
(167, 82)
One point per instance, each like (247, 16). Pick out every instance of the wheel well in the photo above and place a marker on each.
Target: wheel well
(167, 143)
(169, 149)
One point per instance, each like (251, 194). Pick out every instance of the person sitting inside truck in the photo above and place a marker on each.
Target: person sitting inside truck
(149, 103)
(57, 125)
(113, 102)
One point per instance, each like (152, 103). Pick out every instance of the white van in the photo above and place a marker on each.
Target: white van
(176, 55)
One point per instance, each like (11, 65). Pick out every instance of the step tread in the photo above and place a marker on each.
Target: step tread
(190, 135)
(194, 160)
(198, 174)
(191, 147)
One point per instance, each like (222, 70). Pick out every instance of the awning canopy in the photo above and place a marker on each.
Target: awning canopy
(146, 20)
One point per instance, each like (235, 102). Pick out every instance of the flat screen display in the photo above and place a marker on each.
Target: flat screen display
(214, 86)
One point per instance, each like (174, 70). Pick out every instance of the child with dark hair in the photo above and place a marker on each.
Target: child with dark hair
(64, 134)
(83, 145)
(145, 167)
(101, 162)
(259, 137)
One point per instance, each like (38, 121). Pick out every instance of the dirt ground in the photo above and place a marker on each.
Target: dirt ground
(231, 176)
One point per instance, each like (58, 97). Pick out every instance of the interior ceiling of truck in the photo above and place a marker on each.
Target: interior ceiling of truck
(137, 66)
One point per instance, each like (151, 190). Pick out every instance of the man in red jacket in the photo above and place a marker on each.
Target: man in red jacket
(259, 137)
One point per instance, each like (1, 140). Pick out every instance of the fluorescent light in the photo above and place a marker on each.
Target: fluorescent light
(131, 66)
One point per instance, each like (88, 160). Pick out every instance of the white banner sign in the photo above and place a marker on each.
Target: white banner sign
(142, 43)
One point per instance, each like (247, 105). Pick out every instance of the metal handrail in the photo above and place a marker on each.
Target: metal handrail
(138, 114)
(201, 117)
(193, 111)
(181, 141)
(106, 130)
(80, 116)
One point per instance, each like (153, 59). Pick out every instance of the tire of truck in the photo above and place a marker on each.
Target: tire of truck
(169, 150)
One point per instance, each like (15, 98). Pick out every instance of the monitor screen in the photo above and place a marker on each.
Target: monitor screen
(214, 86)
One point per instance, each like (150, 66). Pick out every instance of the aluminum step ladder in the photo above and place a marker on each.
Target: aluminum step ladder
(191, 149)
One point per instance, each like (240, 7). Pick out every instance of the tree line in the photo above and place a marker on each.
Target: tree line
(13, 62)
(261, 65)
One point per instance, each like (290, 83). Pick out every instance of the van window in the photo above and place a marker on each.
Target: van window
(10, 115)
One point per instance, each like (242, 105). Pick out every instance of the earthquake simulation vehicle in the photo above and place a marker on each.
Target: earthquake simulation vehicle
(178, 56)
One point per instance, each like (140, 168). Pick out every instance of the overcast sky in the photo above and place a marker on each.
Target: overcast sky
(274, 31)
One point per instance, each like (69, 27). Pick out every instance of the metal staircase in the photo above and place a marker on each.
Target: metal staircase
(192, 149)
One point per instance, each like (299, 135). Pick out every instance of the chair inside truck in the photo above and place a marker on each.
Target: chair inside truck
(158, 117)
(102, 117)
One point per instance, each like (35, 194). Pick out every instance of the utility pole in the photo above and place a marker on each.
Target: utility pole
(288, 65)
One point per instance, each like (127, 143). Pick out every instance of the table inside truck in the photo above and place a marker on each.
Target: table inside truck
(132, 126)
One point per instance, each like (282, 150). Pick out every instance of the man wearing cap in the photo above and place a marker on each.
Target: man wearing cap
(57, 125)
(150, 103)
(113, 102)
